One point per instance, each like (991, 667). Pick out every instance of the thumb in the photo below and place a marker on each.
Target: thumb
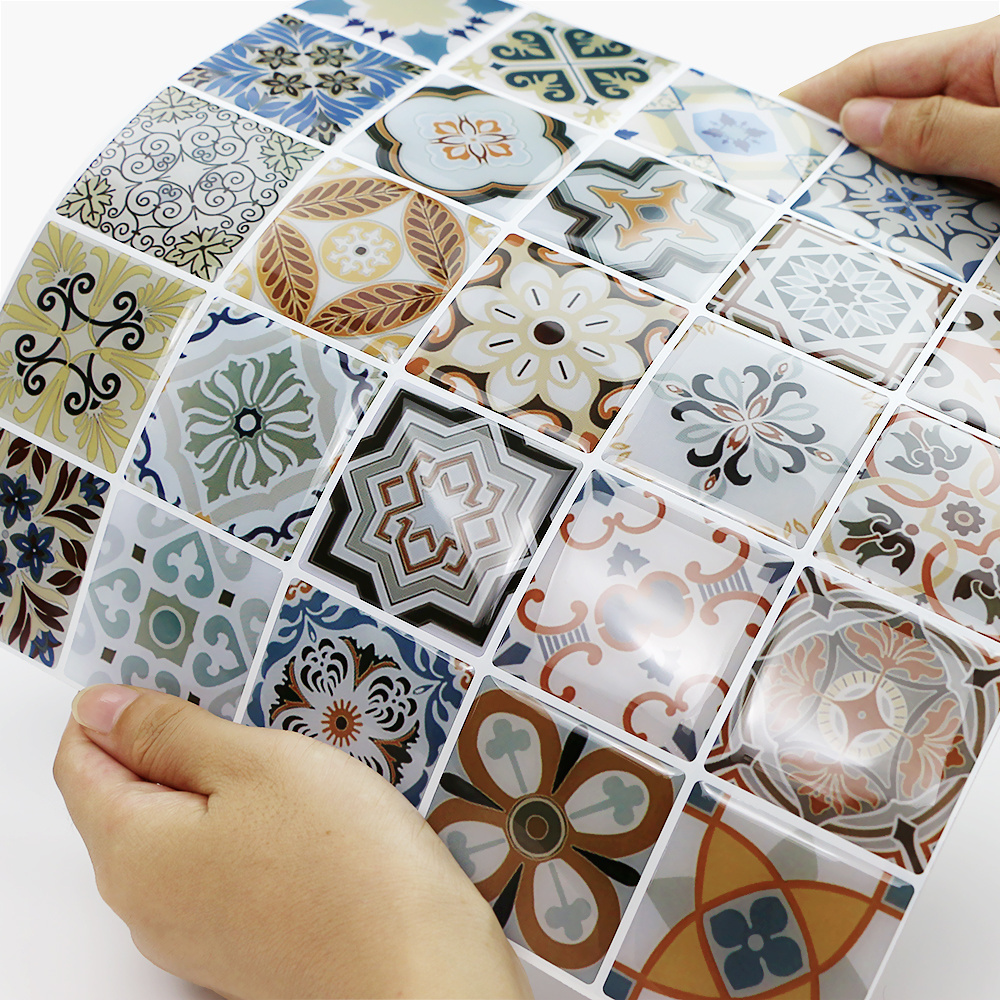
(927, 135)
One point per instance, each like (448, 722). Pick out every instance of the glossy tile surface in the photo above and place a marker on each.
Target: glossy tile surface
(552, 822)
(741, 905)
(50, 511)
(550, 342)
(640, 614)
(653, 221)
(249, 426)
(170, 607)
(835, 300)
(305, 78)
(923, 520)
(566, 71)
(333, 673)
(437, 514)
(746, 427)
(921, 218)
(186, 181)
(360, 259)
(755, 144)
(474, 147)
(83, 338)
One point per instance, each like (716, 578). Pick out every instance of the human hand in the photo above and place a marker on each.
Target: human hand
(263, 864)
(926, 104)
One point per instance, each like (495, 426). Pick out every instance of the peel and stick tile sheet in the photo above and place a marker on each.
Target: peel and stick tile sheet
(606, 455)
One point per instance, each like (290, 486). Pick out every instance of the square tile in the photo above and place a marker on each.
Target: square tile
(550, 342)
(429, 30)
(360, 259)
(835, 300)
(922, 520)
(249, 425)
(333, 673)
(742, 905)
(181, 612)
(186, 181)
(552, 821)
(655, 222)
(50, 511)
(83, 338)
(564, 70)
(747, 428)
(476, 148)
(437, 514)
(861, 720)
(641, 615)
(740, 138)
(923, 219)
(989, 283)
(305, 78)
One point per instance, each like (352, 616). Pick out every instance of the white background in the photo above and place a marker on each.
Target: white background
(71, 74)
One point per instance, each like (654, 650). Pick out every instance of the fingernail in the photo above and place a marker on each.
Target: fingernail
(98, 707)
(863, 120)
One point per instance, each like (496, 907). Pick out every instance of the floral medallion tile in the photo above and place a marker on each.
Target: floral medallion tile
(653, 221)
(427, 29)
(305, 78)
(738, 137)
(186, 181)
(861, 720)
(83, 339)
(360, 259)
(922, 520)
(924, 219)
(553, 822)
(989, 283)
(748, 428)
(170, 607)
(743, 905)
(641, 615)
(564, 70)
(50, 511)
(550, 342)
(437, 515)
(246, 431)
(835, 300)
(962, 376)
(474, 147)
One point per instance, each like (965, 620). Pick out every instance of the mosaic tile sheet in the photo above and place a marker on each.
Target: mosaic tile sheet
(748, 428)
(249, 425)
(989, 283)
(553, 823)
(741, 905)
(552, 343)
(653, 221)
(50, 512)
(186, 181)
(466, 144)
(333, 673)
(83, 338)
(640, 614)
(565, 70)
(170, 606)
(924, 219)
(305, 78)
(835, 300)
(740, 138)
(360, 259)
(923, 520)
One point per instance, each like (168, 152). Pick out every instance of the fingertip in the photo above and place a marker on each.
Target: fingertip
(863, 120)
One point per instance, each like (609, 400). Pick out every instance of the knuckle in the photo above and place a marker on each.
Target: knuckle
(926, 129)
(154, 736)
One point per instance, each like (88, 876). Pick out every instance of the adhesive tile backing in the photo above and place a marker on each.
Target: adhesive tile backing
(546, 340)
(333, 673)
(552, 821)
(640, 614)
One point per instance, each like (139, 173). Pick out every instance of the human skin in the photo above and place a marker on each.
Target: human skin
(264, 864)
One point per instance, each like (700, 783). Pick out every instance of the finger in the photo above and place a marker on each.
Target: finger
(931, 135)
